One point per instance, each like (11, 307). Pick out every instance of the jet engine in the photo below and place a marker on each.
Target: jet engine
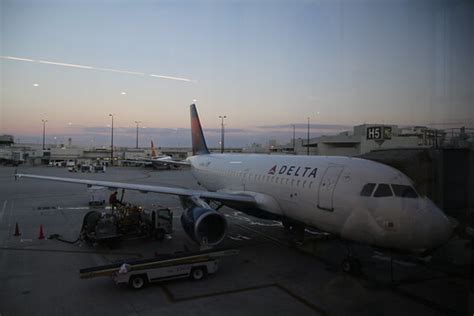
(201, 223)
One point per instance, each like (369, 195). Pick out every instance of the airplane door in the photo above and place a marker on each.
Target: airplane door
(327, 186)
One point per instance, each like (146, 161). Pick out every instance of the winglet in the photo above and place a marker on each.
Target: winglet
(199, 143)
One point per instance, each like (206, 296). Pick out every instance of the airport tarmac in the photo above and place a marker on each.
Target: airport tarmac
(271, 275)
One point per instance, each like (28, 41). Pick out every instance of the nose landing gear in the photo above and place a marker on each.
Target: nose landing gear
(351, 265)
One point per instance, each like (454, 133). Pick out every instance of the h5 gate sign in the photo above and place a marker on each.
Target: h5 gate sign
(379, 132)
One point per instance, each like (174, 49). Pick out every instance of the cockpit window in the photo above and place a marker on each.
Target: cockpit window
(383, 190)
(367, 189)
(405, 191)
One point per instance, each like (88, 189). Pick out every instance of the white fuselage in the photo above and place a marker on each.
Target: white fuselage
(325, 192)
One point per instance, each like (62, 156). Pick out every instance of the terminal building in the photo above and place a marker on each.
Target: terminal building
(361, 140)
(369, 137)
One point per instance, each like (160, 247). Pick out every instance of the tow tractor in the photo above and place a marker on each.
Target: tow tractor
(137, 273)
(126, 220)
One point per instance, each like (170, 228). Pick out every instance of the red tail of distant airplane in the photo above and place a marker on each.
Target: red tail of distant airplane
(153, 150)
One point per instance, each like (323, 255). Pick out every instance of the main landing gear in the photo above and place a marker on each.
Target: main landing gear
(295, 230)
(350, 264)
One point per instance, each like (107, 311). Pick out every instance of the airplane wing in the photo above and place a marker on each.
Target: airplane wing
(216, 196)
(173, 162)
(141, 162)
(159, 161)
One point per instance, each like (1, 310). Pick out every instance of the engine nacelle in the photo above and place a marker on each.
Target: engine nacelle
(203, 224)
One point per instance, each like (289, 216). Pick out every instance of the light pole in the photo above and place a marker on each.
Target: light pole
(137, 122)
(307, 144)
(112, 141)
(44, 131)
(222, 117)
(294, 148)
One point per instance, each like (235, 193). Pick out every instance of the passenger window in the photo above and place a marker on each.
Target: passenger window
(405, 191)
(367, 189)
(383, 190)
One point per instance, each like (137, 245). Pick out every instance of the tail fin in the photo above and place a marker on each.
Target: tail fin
(199, 143)
(153, 150)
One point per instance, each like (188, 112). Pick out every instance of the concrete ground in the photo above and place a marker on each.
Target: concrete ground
(271, 275)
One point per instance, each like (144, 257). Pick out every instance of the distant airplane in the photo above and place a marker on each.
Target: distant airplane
(158, 157)
(156, 160)
(355, 199)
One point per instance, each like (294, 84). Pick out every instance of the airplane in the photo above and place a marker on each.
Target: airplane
(157, 161)
(355, 199)
(155, 156)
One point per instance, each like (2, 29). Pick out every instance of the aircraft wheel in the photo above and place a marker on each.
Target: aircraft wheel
(138, 281)
(351, 266)
(198, 273)
(286, 225)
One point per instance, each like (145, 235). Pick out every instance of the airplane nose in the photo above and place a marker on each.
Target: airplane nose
(440, 229)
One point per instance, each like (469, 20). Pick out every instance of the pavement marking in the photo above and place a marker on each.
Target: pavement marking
(10, 214)
(264, 235)
(301, 299)
(241, 216)
(1, 216)
(239, 237)
(399, 262)
(9, 234)
(75, 208)
(3, 210)
(138, 255)
(424, 301)
(287, 291)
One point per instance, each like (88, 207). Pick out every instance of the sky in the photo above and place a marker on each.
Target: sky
(265, 65)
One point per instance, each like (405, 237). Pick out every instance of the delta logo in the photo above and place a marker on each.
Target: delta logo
(272, 170)
(308, 172)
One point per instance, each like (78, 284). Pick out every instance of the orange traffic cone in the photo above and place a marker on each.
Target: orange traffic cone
(17, 230)
(41, 234)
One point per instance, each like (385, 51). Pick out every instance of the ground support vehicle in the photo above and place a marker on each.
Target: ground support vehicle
(97, 195)
(99, 168)
(137, 273)
(86, 168)
(124, 221)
